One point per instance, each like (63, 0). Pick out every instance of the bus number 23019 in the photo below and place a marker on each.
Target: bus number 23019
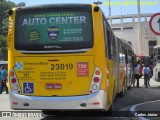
(62, 66)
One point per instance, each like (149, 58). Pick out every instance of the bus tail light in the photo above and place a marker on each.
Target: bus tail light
(11, 73)
(97, 72)
(96, 81)
(14, 82)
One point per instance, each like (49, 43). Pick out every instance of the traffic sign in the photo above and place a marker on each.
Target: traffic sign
(154, 23)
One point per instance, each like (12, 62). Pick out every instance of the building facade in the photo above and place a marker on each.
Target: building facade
(136, 30)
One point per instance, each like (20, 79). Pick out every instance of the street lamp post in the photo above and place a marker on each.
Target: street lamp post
(109, 8)
(139, 29)
(121, 11)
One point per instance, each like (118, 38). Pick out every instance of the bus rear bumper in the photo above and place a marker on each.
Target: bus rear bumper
(93, 101)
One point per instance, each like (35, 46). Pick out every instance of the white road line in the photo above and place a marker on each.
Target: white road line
(132, 109)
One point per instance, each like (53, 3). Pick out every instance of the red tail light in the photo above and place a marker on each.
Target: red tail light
(96, 79)
(13, 80)
(90, 91)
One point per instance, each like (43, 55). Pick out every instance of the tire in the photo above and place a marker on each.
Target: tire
(47, 112)
(121, 94)
(51, 112)
(109, 112)
(129, 87)
(110, 108)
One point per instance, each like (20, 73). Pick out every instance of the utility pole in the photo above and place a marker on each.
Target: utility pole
(140, 46)
(109, 8)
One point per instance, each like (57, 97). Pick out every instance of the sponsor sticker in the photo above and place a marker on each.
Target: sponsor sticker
(82, 69)
(53, 86)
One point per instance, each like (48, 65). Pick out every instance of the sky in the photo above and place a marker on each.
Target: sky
(118, 7)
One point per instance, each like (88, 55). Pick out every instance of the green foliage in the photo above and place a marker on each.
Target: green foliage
(3, 43)
(21, 4)
(3, 47)
(5, 6)
(5, 26)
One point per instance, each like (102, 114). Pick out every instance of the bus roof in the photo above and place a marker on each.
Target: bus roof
(125, 43)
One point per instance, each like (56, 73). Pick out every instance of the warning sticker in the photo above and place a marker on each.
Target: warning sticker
(82, 69)
(28, 88)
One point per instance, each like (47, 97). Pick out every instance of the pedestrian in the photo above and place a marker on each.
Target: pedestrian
(147, 72)
(133, 81)
(3, 79)
(136, 74)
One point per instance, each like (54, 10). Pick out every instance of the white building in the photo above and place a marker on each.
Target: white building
(138, 33)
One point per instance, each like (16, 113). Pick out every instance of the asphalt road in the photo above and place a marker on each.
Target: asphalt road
(132, 97)
(138, 95)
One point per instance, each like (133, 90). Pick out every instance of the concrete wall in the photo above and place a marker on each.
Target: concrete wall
(130, 32)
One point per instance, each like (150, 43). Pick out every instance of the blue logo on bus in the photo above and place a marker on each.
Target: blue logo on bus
(53, 32)
(28, 88)
(19, 65)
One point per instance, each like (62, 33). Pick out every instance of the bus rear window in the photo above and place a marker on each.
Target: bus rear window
(53, 31)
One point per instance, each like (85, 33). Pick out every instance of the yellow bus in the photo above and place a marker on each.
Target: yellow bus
(126, 62)
(63, 57)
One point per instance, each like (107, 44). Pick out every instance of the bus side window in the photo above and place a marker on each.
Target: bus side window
(105, 39)
(109, 43)
(123, 54)
(107, 35)
(129, 56)
(120, 55)
(113, 48)
(126, 56)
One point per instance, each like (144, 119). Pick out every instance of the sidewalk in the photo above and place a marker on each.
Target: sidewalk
(153, 83)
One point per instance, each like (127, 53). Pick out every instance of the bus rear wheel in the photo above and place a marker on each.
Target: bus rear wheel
(51, 112)
(121, 94)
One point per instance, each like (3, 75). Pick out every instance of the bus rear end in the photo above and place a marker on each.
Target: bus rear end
(52, 59)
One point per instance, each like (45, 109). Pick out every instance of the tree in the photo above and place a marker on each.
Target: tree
(3, 47)
(21, 4)
(5, 6)
(4, 27)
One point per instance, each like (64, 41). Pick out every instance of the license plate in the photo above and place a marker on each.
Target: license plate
(53, 86)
